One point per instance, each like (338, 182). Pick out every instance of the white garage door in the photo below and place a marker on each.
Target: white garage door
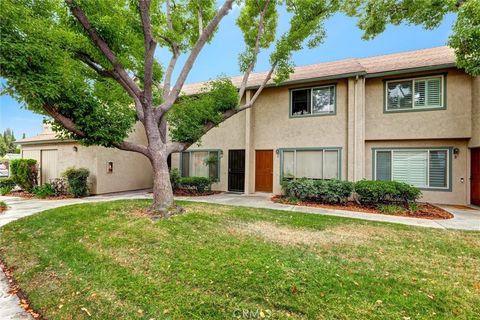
(48, 165)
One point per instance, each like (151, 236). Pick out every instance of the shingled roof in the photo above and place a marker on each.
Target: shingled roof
(371, 66)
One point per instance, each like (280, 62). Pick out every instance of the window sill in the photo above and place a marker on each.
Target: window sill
(312, 115)
(414, 110)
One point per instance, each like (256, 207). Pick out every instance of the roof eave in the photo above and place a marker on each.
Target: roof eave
(43, 141)
(410, 70)
(307, 80)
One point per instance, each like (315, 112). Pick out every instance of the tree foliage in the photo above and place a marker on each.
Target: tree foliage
(189, 116)
(7, 145)
(375, 15)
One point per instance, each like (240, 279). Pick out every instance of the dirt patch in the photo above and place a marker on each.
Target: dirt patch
(28, 195)
(284, 235)
(425, 210)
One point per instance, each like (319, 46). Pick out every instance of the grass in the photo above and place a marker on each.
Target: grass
(390, 208)
(97, 261)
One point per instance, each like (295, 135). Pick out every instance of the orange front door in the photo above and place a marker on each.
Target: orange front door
(264, 170)
(475, 182)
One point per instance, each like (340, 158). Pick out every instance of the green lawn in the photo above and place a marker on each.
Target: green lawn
(220, 262)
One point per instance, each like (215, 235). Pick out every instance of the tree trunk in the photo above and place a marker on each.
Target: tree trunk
(162, 188)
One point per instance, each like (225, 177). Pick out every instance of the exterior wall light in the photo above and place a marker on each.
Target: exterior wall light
(456, 152)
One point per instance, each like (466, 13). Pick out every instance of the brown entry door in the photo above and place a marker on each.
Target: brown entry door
(264, 170)
(475, 193)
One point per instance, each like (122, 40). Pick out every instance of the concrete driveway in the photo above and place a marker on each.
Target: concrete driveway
(465, 219)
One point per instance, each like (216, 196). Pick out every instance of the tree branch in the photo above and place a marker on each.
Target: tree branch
(181, 146)
(251, 66)
(110, 74)
(103, 47)
(175, 54)
(207, 32)
(69, 125)
(150, 45)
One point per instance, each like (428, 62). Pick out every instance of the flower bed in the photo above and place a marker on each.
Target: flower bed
(424, 210)
(194, 193)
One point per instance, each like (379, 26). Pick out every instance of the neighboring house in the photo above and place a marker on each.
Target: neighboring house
(5, 163)
(411, 117)
(111, 170)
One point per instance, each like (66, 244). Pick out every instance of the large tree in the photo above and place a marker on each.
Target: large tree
(90, 65)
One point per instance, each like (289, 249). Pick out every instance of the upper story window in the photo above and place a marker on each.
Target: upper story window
(313, 101)
(415, 94)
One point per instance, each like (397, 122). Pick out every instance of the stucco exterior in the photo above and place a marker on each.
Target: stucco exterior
(131, 171)
(358, 125)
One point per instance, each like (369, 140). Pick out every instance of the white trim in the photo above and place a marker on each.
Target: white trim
(426, 107)
(428, 150)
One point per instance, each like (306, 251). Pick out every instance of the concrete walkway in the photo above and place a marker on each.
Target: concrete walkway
(465, 219)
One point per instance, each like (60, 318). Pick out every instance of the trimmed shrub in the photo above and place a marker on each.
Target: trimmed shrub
(43, 191)
(199, 184)
(333, 191)
(77, 181)
(175, 178)
(6, 185)
(60, 186)
(302, 188)
(374, 192)
(24, 173)
(326, 191)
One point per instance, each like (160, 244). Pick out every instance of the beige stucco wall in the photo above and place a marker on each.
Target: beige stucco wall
(67, 157)
(228, 135)
(273, 128)
(131, 171)
(475, 141)
(460, 165)
(358, 125)
(453, 122)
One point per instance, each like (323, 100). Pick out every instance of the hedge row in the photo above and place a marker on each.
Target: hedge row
(197, 184)
(365, 191)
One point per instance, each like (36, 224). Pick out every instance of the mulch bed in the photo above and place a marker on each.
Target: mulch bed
(193, 193)
(14, 289)
(28, 195)
(426, 210)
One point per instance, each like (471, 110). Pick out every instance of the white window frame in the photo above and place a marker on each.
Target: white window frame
(447, 150)
(311, 114)
(426, 107)
(339, 163)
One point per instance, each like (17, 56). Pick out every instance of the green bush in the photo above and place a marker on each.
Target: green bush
(6, 185)
(24, 173)
(77, 181)
(333, 191)
(390, 208)
(175, 178)
(3, 206)
(326, 191)
(374, 192)
(199, 184)
(43, 191)
(301, 189)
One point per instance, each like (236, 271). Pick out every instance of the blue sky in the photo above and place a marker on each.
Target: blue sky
(220, 57)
